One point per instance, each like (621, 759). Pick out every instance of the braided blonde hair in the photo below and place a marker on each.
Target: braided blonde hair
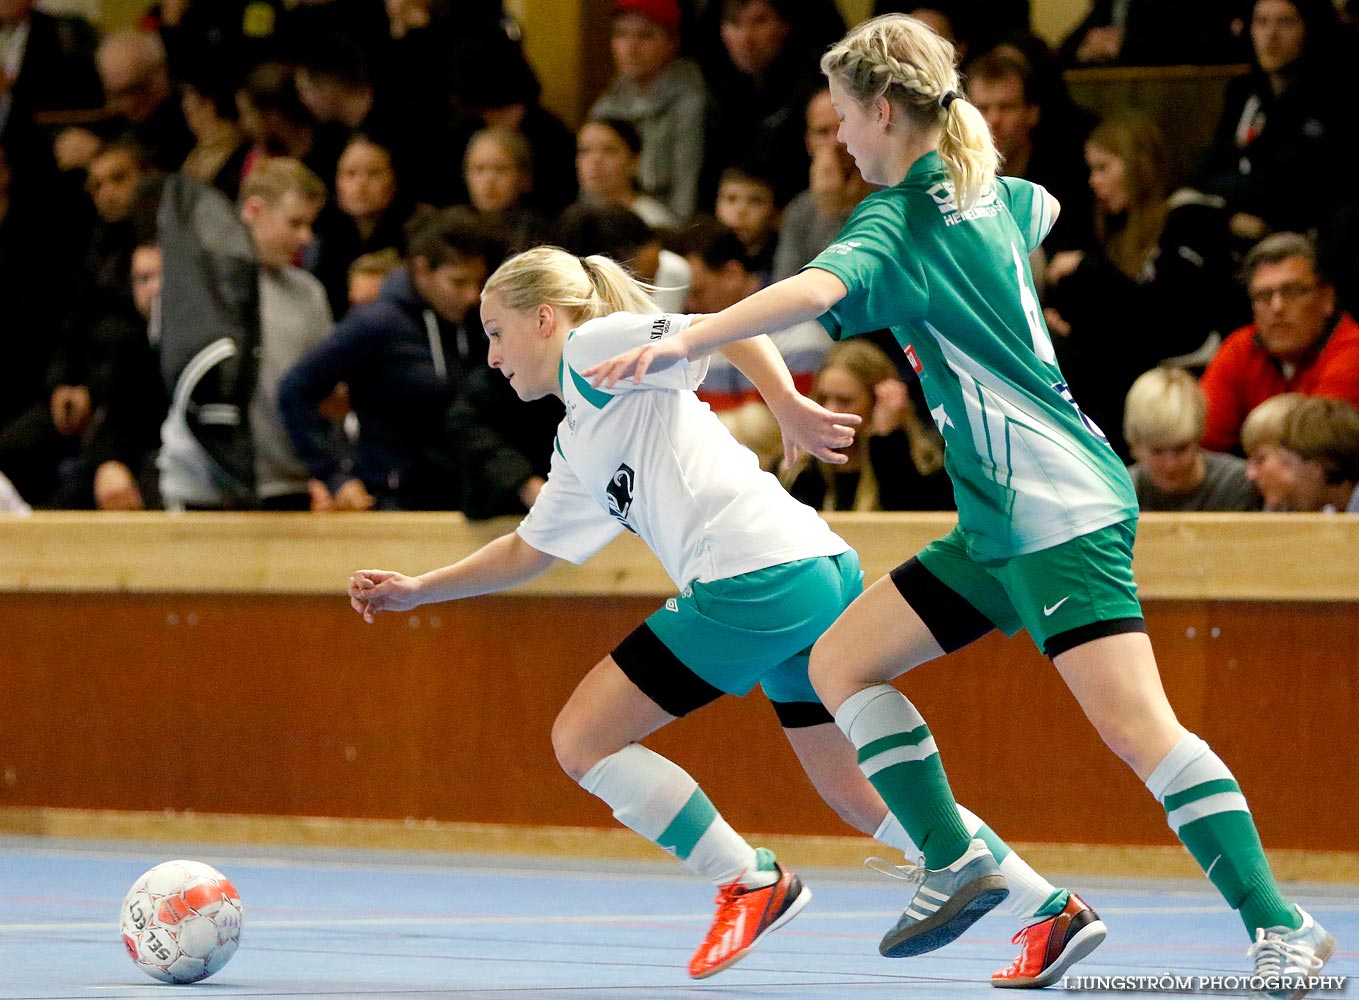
(900, 58)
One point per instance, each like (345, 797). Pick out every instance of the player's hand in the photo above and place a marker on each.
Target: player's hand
(374, 590)
(637, 362)
(820, 432)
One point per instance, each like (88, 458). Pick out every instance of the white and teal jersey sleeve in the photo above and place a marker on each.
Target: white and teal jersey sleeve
(654, 460)
(1029, 469)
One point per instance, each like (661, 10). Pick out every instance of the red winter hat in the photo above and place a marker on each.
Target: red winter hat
(666, 13)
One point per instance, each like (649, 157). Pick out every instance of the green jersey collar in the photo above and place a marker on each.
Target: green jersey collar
(930, 163)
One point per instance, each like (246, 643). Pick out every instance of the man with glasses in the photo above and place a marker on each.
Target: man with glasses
(141, 100)
(1300, 340)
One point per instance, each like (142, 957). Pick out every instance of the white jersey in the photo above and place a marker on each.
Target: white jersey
(655, 460)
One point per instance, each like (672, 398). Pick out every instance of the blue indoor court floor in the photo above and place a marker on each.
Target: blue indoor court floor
(322, 924)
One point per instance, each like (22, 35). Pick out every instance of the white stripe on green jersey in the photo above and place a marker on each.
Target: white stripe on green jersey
(653, 459)
(1029, 469)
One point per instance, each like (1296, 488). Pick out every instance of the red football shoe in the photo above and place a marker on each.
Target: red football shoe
(744, 917)
(1047, 949)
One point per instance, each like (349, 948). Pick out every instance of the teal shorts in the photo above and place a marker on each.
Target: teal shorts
(756, 628)
(1064, 595)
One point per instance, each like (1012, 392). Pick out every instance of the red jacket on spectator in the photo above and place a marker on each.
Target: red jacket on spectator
(1243, 375)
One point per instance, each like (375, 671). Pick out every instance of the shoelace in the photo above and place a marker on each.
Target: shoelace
(1021, 939)
(726, 895)
(907, 873)
(1274, 955)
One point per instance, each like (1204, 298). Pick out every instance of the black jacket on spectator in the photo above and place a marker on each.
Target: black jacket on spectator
(900, 484)
(210, 330)
(129, 404)
(230, 34)
(760, 119)
(1058, 164)
(1166, 33)
(501, 443)
(338, 244)
(1305, 150)
(131, 394)
(40, 246)
(404, 367)
(58, 71)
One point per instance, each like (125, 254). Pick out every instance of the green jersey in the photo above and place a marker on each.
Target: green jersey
(1029, 469)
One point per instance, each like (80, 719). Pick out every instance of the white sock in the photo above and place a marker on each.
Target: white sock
(1028, 890)
(658, 799)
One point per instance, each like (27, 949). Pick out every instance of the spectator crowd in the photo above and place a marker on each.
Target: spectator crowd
(242, 244)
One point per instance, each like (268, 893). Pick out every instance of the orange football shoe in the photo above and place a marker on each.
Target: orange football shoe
(745, 916)
(1048, 948)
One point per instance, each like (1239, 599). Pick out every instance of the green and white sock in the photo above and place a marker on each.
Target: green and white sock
(1032, 897)
(1207, 811)
(658, 799)
(898, 756)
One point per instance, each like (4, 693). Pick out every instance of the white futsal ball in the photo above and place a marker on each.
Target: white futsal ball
(181, 921)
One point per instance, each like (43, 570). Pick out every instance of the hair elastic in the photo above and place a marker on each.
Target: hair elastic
(947, 98)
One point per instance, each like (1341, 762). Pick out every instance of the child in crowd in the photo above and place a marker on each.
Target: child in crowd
(367, 273)
(663, 95)
(897, 459)
(1163, 421)
(746, 206)
(498, 170)
(607, 153)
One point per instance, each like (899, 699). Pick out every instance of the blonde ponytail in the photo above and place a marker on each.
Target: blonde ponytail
(968, 153)
(900, 58)
(584, 288)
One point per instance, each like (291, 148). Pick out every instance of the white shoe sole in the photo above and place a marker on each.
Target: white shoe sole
(794, 908)
(1086, 940)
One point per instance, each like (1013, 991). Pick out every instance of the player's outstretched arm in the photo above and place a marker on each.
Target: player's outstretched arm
(496, 566)
(805, 423)
(803, 297)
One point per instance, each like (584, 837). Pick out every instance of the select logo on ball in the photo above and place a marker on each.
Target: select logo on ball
(181, 921)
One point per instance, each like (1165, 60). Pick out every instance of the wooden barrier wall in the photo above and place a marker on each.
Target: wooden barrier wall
(1185, 101)
(210, 663)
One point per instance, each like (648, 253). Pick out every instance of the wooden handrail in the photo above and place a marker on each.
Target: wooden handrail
(1286, 557)
(1151, 74)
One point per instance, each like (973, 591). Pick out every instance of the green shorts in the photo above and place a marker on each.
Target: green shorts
(1064, 595)
(756, 628)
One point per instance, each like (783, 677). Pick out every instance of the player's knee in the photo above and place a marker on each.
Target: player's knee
(826, 671)
(570, 745)
(1131, 740)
